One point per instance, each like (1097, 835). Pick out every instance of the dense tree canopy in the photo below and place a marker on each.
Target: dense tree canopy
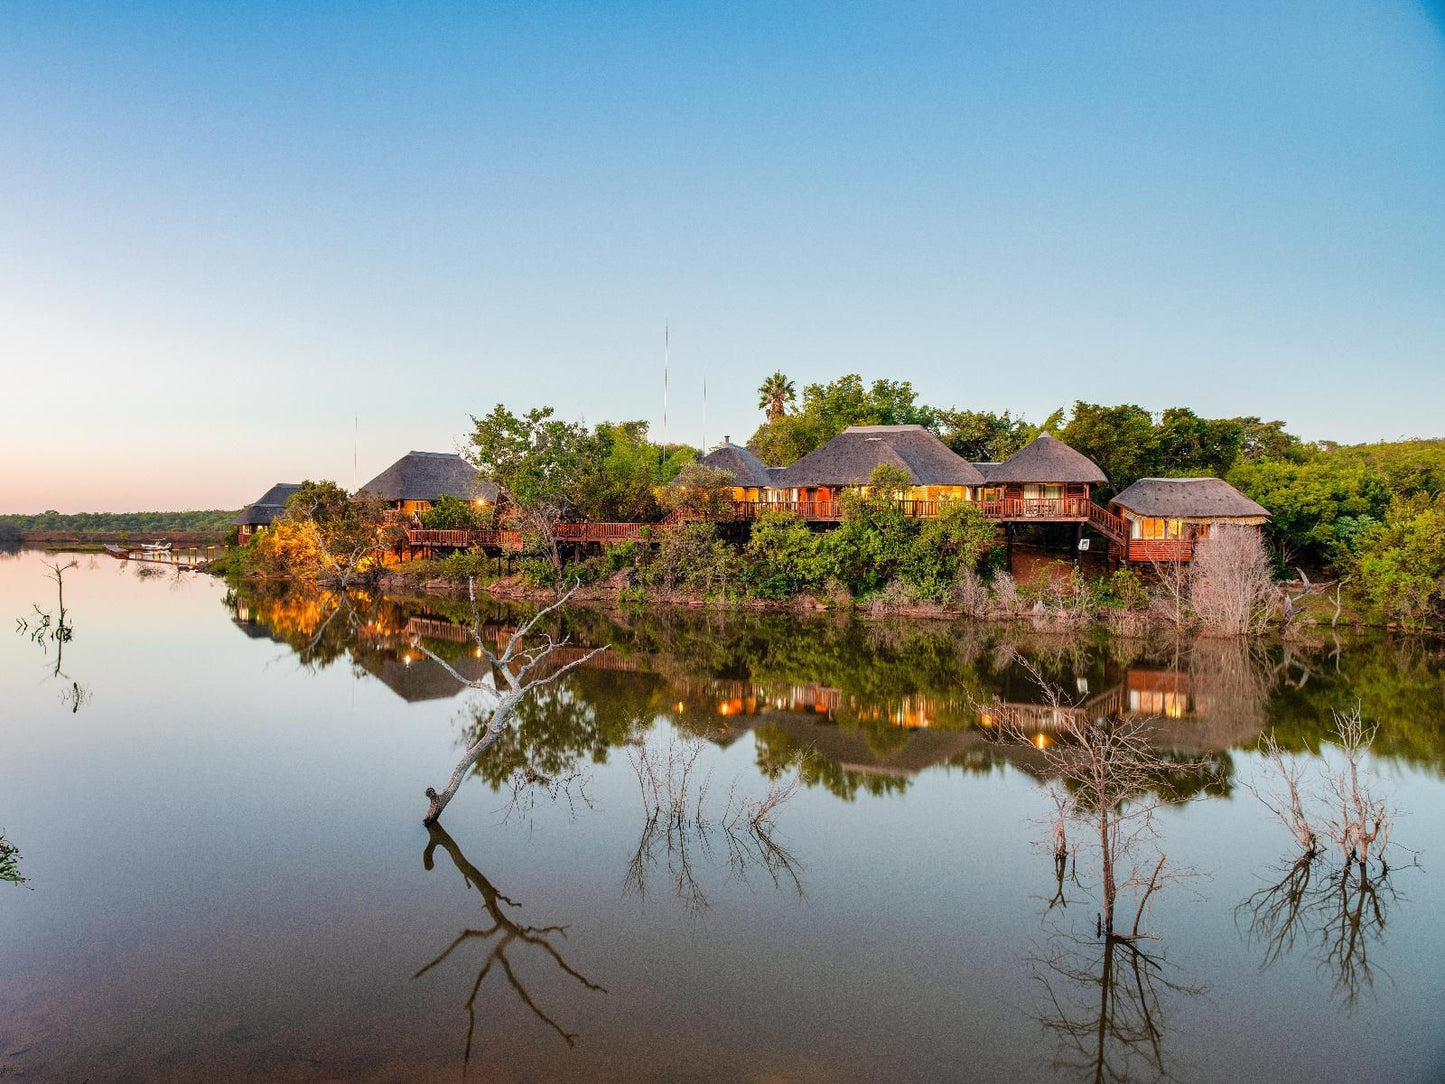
(828, 409)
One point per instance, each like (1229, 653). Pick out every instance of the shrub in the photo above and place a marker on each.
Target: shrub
(783, 557)
(1400, 566)
(692, 559)
(453, 514)
(1122, 589)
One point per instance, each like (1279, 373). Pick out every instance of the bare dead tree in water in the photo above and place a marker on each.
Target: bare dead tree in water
(502, 935)
(1343, 808)
(524, 669)
(1109, 772)
(682, 825)
(47, 627)
(1331, 902)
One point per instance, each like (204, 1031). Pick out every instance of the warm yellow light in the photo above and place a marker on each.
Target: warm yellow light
(1040, 742)
(986, 719)
(679, 707)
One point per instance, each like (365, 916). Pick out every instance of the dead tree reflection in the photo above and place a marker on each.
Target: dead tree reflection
(1106, 1004)
(502, 935)
(1336, 916)
(683, 828)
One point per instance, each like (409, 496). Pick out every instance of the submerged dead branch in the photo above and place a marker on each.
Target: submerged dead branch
(519, 666)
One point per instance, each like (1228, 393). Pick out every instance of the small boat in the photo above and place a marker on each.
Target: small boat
(156, 547)
(118, 552)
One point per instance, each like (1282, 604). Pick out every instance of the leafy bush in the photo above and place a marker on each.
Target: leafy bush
(1400, 564)
(1123, 589)
(783, 557)
(692, 559)
(453, 514)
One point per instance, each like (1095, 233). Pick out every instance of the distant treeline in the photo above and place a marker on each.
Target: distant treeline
(215, 521)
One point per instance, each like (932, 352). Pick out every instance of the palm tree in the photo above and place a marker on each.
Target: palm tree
(775, 395)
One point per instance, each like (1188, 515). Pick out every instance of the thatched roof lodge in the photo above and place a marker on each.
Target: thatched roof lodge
(1045, 479)
(934, 470)
(260, 513)
(752, 477)
(1166, 515)
(415, 480)
(1047, 459)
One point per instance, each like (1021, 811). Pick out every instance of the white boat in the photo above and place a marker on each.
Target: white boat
(155, 547)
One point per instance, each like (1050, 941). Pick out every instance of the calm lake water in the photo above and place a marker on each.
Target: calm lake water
(229, 878)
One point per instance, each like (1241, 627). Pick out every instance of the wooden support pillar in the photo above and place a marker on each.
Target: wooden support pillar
(1078, 537)
(1008, 529)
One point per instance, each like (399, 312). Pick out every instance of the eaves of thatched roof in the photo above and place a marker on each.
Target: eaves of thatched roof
(746, 468)
(1047, 459)
(268, 506)
(1188, 498)
(423, 476)
(851, 456)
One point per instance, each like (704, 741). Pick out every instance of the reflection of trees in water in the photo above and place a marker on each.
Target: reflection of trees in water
(1335, 916)
(878, 686)
(501, 936)
(1106, 1004)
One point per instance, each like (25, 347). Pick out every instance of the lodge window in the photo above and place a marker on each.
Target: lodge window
(1154, 528)
(1034, 491)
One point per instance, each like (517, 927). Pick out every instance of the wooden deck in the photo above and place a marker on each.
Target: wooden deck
(1007, 510)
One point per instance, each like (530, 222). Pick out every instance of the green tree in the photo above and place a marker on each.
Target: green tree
(540, 465)
(775, 394)
(1400, 564)
(1317, 507)
(784, 558)
(982, 436)
(448, 513)
(702, 492)
(955, 540)
(1121, 439)
(623, 470)
(828, 409)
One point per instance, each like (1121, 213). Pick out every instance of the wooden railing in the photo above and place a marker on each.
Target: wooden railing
(1006, 509)
(599, 532)
(1106, 523)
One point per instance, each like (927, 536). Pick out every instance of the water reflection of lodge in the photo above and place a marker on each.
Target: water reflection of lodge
(890, 735)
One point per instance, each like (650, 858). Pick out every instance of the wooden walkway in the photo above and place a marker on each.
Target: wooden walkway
(179, 556)
(1010, 510)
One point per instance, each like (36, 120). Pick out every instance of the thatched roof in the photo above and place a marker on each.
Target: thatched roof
(1188, 498)
(423, 476)
(985, 469)
(850, 457)
(746, 468)
(1047, 459)
(268, 506)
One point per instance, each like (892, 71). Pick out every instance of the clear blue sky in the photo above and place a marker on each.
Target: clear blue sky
(227, 229)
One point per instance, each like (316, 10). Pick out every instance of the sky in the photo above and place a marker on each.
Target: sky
(248, 243)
